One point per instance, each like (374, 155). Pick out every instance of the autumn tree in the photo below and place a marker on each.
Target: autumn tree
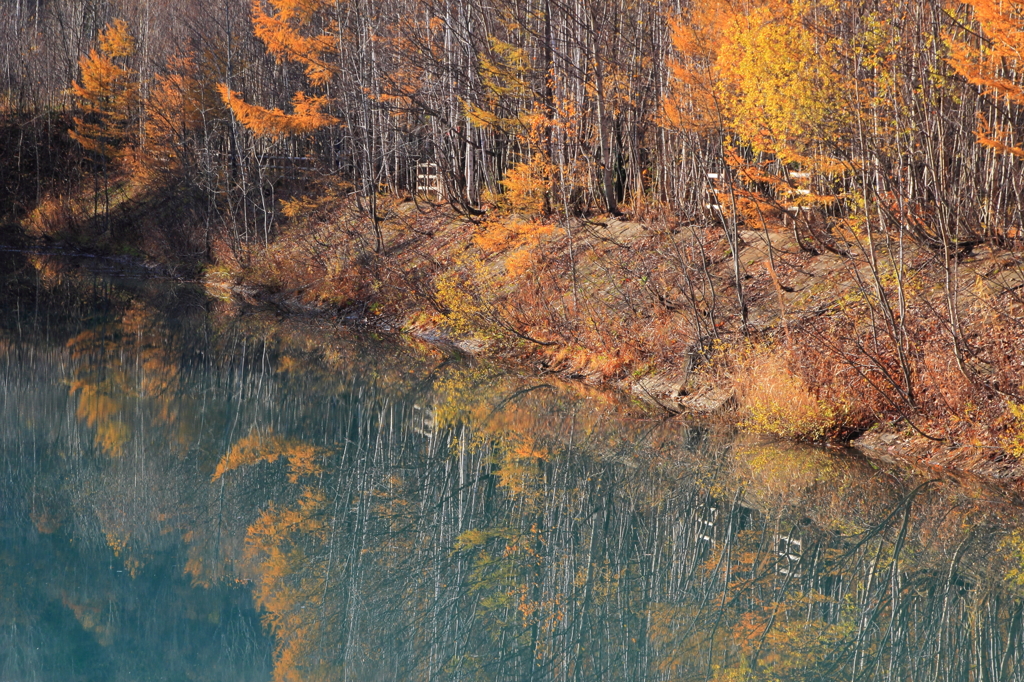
(180, 110)
(509, 108)
(107, 94)
(294, 31)
(779, 90)
(992, 62)
(306, 34)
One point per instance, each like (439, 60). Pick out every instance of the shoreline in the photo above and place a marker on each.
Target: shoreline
(649, 308)
(604, 301)
(659, 392)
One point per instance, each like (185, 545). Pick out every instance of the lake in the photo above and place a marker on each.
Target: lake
(192, 491)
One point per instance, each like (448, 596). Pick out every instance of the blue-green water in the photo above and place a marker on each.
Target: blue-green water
(190, 492)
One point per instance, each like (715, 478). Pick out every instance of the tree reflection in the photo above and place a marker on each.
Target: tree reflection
(395, 514)
(516, 552)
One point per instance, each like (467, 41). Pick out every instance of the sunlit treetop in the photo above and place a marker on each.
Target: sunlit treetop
(107, 93)
(758, 70)
(116, 41)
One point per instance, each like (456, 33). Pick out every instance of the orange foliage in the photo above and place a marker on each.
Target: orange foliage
(307, 116)
(519, 471)
(282, 33)
(994, 63)
(278, 545)
(101, 411)
(291, 33)
(528, 185)
(107, 93)
(693, 103)
(263, 447)
(116, 41)
(178, 104)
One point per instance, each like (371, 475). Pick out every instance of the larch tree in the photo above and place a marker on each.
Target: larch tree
(107, 94)
(179, 101)
(294, 31)
(993, 62)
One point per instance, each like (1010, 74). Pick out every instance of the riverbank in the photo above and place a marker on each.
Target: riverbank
(813, 330)
(834, 338)
(708, 391)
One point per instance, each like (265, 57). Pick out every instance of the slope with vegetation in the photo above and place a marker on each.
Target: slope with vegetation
(812, 206)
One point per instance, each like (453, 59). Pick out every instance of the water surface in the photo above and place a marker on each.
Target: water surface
(189, 492)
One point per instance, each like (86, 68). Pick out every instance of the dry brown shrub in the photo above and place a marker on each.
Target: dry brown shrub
(775, 398)
(53, 217)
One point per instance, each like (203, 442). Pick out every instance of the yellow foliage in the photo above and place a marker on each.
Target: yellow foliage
(789, 648)
(777, 401)
(756, 70)
(1013, 442)
(519, 471)
(780, 92)
(466, 312)
(782, 474)
(1013, 546)
(475, 537)
(503, 71)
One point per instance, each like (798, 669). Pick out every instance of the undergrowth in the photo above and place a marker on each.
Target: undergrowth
(606, 300)
(775, 399)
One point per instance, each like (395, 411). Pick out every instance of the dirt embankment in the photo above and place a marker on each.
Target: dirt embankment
(798, 328)
(910, 353)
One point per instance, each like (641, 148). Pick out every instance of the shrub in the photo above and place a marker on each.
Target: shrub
(1013, 441)
(777, 400)
(465, 312)
(54, 217)
(528, 186)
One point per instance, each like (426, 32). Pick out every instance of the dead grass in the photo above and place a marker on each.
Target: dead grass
(53, 217)
(775, 399)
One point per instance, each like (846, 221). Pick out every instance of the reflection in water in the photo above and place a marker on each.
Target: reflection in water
(198, 495)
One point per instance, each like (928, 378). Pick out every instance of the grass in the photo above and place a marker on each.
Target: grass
(775, 399)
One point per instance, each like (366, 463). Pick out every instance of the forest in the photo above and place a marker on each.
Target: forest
(806, 212)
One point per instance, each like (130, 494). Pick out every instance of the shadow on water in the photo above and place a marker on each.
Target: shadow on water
(190, 493)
